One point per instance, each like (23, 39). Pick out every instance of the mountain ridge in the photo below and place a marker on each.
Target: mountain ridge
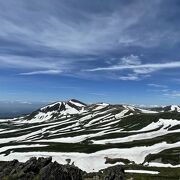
(73, 107)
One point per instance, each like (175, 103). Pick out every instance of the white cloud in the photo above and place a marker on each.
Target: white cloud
(50, 72)
(140, 69)
(130, 60)
(13, 61)
(157, 85)
(129, 77)
(164, 90)
(144, 70)
(134, 68)
(172, 93)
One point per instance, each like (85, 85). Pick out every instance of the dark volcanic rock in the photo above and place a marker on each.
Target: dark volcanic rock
(38, 169)
(111, 173)
(45, 169)
(55, 171)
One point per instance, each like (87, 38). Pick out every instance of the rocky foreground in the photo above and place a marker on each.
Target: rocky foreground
(45, 169)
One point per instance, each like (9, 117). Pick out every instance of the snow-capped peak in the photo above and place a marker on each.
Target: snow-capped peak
(56, 110)
(63, 105)
(175, 108)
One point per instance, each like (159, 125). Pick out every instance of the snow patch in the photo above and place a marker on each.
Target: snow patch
(142, 171)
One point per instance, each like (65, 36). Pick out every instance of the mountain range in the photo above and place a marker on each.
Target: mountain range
(97, 136)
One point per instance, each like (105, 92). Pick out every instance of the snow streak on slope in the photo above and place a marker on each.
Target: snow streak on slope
(163, 124)
(142, 171)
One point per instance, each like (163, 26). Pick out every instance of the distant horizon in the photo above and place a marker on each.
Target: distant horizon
(88, 103)
(96, 51)
(11, 109)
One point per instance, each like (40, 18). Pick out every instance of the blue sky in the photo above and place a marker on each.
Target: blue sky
(113, 51)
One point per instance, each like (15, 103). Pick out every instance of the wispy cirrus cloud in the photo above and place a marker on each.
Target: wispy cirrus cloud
(149, 67)
(50, 72)
(15, 61)
(78, 32)
(138, 69)
(164, 90)
(157, 85)
(158, 88)
(129, 77)
(133, 68)
(79, 28)
(130, 60)
(172, 93)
